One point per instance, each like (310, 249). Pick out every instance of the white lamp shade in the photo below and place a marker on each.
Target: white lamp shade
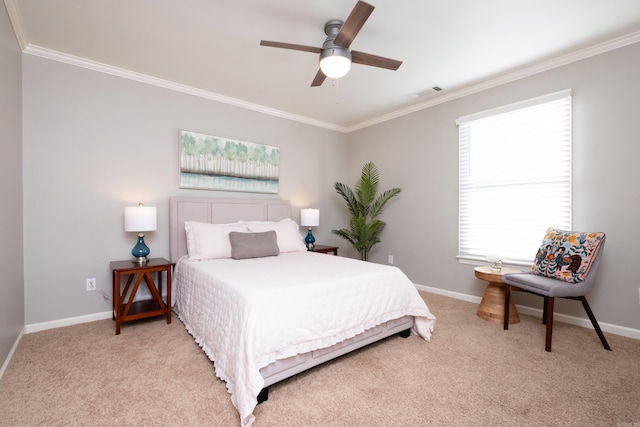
(335, 63)
(140, 218)
(310, 217)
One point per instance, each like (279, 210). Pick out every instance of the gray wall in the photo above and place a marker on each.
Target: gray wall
(418, 153)
(11, 279)
(94, 143)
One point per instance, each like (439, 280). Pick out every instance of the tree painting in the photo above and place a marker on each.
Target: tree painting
(215, 163)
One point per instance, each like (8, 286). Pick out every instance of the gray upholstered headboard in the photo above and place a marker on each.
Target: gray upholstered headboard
(218, 211)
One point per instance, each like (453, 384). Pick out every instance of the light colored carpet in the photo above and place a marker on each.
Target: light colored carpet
(471, 373)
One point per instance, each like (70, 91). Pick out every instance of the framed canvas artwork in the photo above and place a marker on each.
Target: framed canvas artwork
(215, 163)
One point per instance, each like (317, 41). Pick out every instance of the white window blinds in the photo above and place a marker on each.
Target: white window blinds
(515, 177)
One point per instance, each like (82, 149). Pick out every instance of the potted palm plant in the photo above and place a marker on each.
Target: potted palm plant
(364, 208)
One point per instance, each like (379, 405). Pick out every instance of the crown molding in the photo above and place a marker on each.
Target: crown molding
(144, 78)
(522, 73)
(445, 96)
(16, 21)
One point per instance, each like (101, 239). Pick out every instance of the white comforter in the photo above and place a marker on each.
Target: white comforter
(246, 314)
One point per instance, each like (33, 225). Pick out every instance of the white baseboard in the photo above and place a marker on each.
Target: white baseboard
(13, 350)
(578, 321)
(37, 327)
(584, 322)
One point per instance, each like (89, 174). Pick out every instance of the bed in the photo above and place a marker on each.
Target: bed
(263, 308)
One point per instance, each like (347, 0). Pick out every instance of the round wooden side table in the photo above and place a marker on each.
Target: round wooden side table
(492, 304)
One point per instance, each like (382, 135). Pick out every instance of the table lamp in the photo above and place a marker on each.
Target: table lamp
(138, 219)
(309, 218)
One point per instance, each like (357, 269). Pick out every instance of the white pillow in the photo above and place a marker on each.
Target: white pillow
(210, 241)
(287, 230)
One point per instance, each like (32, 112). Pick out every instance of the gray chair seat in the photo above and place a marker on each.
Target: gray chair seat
(544, 285)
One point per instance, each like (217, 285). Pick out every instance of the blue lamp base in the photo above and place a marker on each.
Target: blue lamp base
(140, 251)
(309, 240)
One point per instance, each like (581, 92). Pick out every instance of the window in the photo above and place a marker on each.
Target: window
(514, 177)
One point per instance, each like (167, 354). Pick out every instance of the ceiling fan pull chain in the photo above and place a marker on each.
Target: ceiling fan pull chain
(334, 83)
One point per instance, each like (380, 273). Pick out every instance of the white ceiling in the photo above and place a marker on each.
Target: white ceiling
(211, 47)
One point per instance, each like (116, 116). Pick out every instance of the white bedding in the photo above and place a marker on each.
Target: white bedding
(246, 314)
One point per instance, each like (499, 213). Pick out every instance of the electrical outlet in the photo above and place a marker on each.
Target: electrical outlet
(391, 259)
(91, 285)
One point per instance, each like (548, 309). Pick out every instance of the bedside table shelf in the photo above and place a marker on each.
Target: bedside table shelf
(142, 309)
(125, 309)
(325, 249)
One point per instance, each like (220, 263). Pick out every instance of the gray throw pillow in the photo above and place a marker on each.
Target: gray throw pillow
(253, 245)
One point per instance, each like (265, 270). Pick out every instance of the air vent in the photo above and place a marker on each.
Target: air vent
(425, 92)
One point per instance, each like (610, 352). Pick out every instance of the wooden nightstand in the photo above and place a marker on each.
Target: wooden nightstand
(325, 249)
(130, 310)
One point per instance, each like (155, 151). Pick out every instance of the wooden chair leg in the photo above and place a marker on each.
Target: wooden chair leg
(507, 300)
(548, 320)
(595, 324)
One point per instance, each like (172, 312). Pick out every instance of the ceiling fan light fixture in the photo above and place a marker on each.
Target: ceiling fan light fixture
(335, 62)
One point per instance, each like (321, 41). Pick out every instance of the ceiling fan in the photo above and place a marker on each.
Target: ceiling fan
(335, 56)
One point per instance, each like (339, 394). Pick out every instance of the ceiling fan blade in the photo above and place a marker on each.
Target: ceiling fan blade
(291, 46)
(374, 60)
(318, 79)
(353, 24)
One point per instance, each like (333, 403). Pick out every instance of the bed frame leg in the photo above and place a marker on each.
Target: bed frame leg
(406, 333)
(263, 396)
